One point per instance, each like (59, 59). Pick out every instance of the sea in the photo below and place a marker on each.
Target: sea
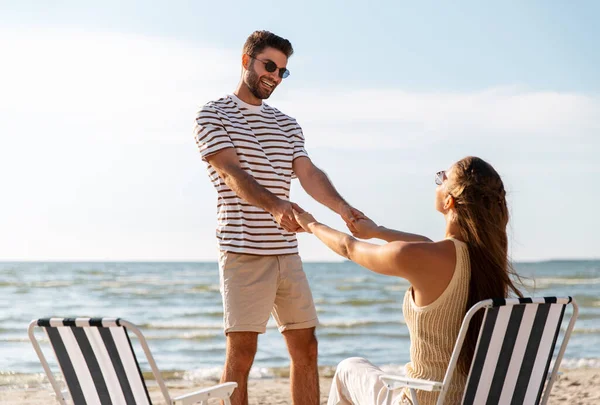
(178, 308)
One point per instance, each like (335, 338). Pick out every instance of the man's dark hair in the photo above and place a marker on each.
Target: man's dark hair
(259, 40)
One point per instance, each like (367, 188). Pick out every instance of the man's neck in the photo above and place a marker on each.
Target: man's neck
(243, 93)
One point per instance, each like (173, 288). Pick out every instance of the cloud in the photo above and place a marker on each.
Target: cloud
(106, 69)
(114, 85)
(96, 131)
(395, 118)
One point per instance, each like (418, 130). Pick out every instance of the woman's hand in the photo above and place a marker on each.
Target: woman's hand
(364, 228)
(305, 219)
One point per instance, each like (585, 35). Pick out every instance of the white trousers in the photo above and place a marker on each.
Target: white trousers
(356, 382)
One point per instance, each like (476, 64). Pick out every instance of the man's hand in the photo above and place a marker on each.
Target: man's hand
(283, 213)
(350, 215)
(364, 228)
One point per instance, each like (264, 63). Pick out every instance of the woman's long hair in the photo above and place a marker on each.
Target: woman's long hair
(482, 217)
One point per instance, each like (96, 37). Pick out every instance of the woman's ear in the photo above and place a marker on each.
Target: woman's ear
(448, 202)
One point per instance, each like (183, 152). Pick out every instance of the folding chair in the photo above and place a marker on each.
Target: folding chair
(99, 365)
(512, 356)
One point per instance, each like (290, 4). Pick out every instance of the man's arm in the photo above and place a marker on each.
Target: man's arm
(228, 167)
(316, 183)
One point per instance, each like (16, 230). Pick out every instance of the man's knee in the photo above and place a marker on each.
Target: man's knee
(304, 349)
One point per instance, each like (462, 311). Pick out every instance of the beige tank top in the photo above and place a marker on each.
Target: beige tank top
(434, 328)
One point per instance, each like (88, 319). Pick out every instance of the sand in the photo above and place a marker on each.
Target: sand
(577, 386)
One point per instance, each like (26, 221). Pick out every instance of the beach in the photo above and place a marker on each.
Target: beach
(575, 386)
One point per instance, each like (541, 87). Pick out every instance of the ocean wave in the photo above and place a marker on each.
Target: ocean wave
(38, 284)
(256, 373)
(146, 280)
(586, 316)
(190, 313)
(364, 302)
(372, 286)
(357, 323)
(112, 288)
(544, 282)
(400, 287)
(22, 339)
(580, 363)
(587, 300)
(583, 331)
(182, 326)
(212, 314)
(185, 336)
(202, 288)
(88, 273)
(49, 284)
(358, 279)
(11, 284)
(349, 287)
(374, 335)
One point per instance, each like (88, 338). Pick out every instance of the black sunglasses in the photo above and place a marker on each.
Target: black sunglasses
(270, 67)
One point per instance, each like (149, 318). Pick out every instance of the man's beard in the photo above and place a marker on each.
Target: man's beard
(253, 83)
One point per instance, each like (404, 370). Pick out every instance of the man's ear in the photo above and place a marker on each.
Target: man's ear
(245, 61)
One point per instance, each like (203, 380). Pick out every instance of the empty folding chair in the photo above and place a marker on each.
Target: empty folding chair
(100, 367)
(512, 357)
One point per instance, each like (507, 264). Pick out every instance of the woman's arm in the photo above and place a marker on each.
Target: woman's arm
(365, 228)
(401, 259)
(391, 235)
(380, 259)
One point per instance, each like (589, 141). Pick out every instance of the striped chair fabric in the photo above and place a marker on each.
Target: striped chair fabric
(513, 354)
(516, 345)
(97, 360)
(100, 367)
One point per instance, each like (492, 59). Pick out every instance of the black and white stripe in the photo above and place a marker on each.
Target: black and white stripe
(97, 361)
(266, 142)
(516, 344)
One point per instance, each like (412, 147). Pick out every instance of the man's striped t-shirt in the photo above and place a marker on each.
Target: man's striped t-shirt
(267, 142)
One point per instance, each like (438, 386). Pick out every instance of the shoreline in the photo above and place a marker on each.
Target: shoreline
(581, 386)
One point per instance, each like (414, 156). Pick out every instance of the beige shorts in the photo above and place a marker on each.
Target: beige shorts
(253, 287)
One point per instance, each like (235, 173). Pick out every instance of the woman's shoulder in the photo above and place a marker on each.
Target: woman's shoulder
(437, 264)
(430, 256)
(442, 248)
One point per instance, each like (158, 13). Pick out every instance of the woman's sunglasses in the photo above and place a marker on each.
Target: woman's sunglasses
(440, 177)
(270, 67)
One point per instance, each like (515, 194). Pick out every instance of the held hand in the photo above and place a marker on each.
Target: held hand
(305, 219)
(364, 228)
(284, 215)
(350, 215)
(296, 208)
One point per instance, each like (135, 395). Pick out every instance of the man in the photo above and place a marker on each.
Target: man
(252, 152)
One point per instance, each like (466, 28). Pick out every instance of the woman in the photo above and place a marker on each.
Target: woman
(447, 277)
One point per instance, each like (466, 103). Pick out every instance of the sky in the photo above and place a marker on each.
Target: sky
(97, 106)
